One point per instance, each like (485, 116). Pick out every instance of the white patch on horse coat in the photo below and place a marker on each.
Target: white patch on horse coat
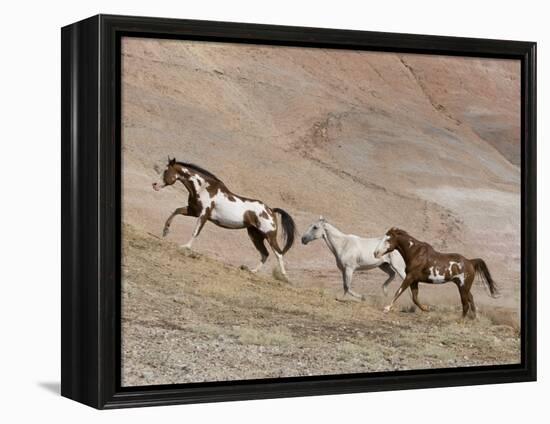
(230, 213)
(451, 263)
(411, 243)
(197, 182)
(435, 276)
(459, 276)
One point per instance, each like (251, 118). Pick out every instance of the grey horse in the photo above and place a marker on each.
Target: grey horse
(355, 253)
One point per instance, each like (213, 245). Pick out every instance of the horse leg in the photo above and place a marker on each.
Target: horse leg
(414, 290)
(472, 304)
(468, 282)
(279, 257)
(272, 240)
(404, 286)
(464, 299)
(198, 227)
(178, 211)
(257, 238)
(347, 276)
(387, 268)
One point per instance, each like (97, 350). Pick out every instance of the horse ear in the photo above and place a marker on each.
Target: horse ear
(321, 218)
(171, 161)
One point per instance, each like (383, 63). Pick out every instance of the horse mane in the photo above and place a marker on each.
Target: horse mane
(403, 233)
(398, 231)
(199, 169)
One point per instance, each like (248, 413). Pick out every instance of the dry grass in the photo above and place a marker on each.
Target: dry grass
(278, 336)
(187, 317)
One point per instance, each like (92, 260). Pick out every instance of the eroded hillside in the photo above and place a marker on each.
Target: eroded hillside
(369, 140)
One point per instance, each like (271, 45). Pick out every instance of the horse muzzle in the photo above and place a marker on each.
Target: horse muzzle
(305, 240)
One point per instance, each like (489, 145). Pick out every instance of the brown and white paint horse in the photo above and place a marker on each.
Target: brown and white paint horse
(425, 265)
(210, 200)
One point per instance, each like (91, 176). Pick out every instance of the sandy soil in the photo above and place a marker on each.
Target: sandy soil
(369, 140)
(189, 318)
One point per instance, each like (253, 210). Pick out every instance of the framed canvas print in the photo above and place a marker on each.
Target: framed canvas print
(254, 211)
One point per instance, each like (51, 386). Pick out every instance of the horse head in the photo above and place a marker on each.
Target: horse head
(314, 231)
(169, 176)
(387, 243)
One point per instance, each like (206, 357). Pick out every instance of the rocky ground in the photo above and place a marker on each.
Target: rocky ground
(189, 318)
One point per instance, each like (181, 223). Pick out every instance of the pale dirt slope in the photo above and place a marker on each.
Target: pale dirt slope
(189, 318)
(369, 140)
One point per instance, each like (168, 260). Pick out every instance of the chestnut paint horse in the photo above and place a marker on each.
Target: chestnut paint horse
(210, 200)
(425, 265)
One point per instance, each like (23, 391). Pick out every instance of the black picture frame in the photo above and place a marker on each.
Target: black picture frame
(90, 175)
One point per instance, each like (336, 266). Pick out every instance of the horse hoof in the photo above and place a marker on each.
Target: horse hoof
(387, 309)
(425, 308)
(186, 250)
(165, 232)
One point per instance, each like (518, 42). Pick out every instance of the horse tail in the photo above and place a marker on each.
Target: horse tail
(289, 229)
(481, 269)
